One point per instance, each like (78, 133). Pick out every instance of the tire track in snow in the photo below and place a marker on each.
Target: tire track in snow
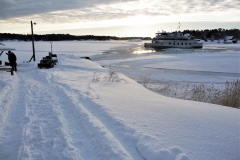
(120, 134)
(88, 132)
(53, 126)
(49, 123)
(12, 113)
(44, 133)
(6, 100)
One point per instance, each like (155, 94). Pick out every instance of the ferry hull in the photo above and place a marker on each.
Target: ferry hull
(159, 46)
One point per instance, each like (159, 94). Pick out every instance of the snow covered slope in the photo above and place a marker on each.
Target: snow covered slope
(61, 113)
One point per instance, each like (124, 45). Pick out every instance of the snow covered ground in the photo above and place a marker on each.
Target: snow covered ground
(73, 112)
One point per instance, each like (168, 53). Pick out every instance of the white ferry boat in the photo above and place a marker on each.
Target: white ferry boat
(174, 40)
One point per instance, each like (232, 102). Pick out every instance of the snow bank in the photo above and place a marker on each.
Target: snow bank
(61, 113)
(164, 125)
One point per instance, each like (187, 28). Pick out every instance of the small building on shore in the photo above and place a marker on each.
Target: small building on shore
(229, 39)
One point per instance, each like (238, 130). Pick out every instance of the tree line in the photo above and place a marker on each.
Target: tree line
(201, 34)
(62, 37)
(214, 33)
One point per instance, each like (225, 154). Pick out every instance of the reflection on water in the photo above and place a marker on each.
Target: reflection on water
(124, 53)
(142, 50)
(125, 65)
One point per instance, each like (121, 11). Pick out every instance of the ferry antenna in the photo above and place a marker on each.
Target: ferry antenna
(179, 26)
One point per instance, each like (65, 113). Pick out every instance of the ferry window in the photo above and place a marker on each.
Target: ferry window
(181, 43)
(185, 43)
(189, 43)
(178, 43)
(170, 43)
(173, 43)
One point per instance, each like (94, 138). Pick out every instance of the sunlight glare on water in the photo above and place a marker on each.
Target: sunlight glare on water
(143, 51)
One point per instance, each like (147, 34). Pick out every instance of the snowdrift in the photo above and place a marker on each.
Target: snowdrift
(67, 113)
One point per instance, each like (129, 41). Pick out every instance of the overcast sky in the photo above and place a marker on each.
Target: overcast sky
(116, 17)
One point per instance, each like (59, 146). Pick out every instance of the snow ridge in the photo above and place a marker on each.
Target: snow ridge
(60, 113)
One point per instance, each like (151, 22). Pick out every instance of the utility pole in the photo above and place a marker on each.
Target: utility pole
(33, 56)
(51, 46)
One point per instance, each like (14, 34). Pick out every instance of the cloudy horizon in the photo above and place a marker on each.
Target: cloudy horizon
(116, 17)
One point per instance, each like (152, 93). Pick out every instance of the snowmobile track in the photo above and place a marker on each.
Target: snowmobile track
(53, 124)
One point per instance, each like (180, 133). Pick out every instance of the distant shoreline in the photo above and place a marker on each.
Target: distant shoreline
(200, 34)
(62, 37)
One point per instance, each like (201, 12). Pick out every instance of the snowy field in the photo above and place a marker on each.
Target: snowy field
(75, 111)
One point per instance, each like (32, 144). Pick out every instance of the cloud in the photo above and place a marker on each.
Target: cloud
(67, 11)
(18, 8)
